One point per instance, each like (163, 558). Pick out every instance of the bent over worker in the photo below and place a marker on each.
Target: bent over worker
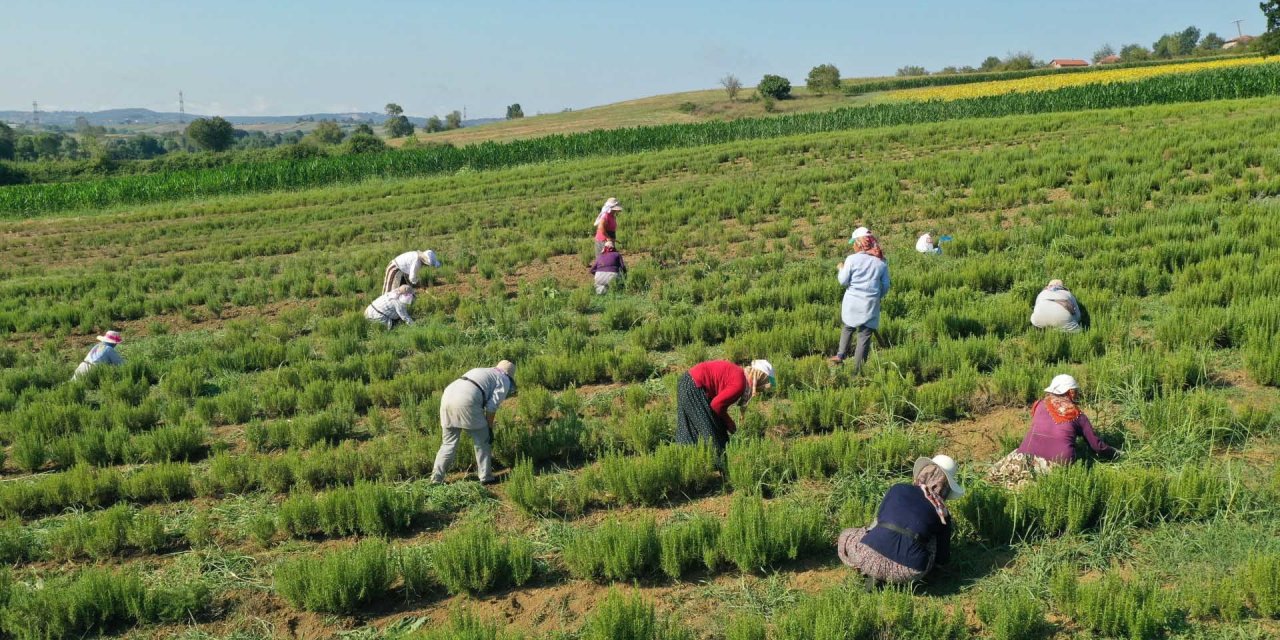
(865, 277)
(1057, 308)
(912, 530)
(102, 353)
(607, 267)
(470, 404)
(606, 224)
(391, 307)
(1056, 422)
(405, 267)
(705, 393)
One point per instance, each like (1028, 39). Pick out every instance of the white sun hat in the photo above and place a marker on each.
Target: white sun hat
(429, 258)
(949, 468)
(858, 233)
(1061, 384)
(764, 367)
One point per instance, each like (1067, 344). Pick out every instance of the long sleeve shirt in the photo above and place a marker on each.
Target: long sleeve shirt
(1056, 441)
(409, 263)
(103, 353)
(724, 383)
(494, 385)
(609, 262)
(906, 509)
(387, 309)
(607, 227)
(866, 280)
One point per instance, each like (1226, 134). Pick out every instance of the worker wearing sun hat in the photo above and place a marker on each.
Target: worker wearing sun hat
(705, 394)
(470, 404)
(102, 353)
(606, 224)
(406, 266)
(912, 530)
(1056, 422)
(864, 274)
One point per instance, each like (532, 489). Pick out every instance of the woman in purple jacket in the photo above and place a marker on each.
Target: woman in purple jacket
(1056, 422)
(607, 267)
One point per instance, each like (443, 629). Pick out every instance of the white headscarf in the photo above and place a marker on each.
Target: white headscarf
(609, 205)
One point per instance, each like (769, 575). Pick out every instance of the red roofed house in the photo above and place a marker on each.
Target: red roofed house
(1062, 63)
(1111, 59)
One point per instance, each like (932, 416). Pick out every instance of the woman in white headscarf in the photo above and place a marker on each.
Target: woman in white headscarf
(865, 278)
(391, 307)
(405, 267)
(1057, 308)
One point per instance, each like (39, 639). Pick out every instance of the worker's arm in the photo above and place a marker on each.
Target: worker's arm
(843, 275)
(622, 266)
(943, 554)
(884, 281)
(1086, 429)
(601, 230)
(727, 397)
(402, 310)
(594, 263)
(413, 271)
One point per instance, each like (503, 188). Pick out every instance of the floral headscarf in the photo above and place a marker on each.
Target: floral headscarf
(1062, 408)
(933, 482)
(869, 245)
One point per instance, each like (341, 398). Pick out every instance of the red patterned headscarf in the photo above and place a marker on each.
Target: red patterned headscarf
(869, 245)
(1062, 408)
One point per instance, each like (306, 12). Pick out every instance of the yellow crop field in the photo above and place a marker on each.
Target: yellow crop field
(1045, 83)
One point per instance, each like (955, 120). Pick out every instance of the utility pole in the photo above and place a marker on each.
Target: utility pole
(1239, 32)
(182, 109)
(35, 113)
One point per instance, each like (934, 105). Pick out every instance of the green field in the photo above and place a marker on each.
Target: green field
(258, 467)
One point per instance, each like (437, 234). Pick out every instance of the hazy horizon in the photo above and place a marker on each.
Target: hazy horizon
(238, 58)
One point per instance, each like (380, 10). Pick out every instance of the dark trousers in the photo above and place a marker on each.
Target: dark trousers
(860, 352)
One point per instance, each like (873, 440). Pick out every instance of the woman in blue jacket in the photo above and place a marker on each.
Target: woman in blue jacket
(912, 530)
(865, 278)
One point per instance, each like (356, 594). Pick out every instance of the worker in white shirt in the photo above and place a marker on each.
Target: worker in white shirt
(470, 404)
(405, 267)
(102, 353)
(925, 244)
(391, 307)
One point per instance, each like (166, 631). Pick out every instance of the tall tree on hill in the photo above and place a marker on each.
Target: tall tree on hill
(213, 134)
(732, 85)
(514, 111)
(434, 124)
(1103, 52)
(453, 120)
(991, 63)
(912, 70)
(1211, 42)
(1269, 43)
(1134, 53)
(397, 125)
(823, 78)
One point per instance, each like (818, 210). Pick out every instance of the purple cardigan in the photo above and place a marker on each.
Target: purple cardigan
(1056, 441)
(609, 262)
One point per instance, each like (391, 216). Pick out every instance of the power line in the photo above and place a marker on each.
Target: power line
(182, 109)
(1239, 32)
(35, 113)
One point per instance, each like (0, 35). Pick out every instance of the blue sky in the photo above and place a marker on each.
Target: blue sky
(237, 57)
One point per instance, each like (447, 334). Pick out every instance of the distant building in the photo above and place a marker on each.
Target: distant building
(1111, 59)
(1063, 63)
(1237, 42)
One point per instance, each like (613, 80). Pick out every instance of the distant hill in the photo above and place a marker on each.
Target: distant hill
(121, 117)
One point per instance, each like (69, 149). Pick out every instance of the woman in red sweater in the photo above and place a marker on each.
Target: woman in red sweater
(704, 395)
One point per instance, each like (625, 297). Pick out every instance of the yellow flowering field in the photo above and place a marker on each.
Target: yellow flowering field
(1048, 82)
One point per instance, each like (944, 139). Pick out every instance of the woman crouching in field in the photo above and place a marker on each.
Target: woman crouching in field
(912, 530)
(705, 393)
(1056, 422)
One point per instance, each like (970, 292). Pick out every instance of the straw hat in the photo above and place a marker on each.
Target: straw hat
(111, 337)
(508, 367)
(949, 468)
(611, 205)
(1061, 384)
